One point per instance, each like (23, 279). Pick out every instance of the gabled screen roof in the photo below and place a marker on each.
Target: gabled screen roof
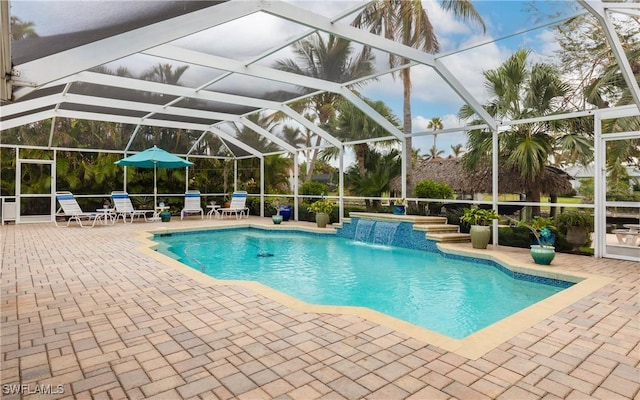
(207, 65)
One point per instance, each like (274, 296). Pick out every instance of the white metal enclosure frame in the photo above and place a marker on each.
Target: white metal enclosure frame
(35, 90)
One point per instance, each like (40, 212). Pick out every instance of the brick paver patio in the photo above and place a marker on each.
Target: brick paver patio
(86, 314)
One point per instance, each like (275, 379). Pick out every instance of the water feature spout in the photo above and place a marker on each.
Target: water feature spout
(385, 232)
(363, 230)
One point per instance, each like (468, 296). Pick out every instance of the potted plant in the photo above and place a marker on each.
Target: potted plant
(480, 221)
(284, 209)
(276, 218)
(399, 207)
(106, 204)
(577, 225)
(544, 251)
(322, 209)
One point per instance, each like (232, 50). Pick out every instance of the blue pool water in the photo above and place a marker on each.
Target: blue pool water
(449, 295)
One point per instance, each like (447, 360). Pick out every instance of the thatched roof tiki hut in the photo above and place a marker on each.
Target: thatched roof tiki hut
(467, 184)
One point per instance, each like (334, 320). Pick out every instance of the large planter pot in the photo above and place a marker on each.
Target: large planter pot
(542, 255)
(277, 219)
(399, 210)
(165, 216)
(576, 236)
(322, 219)
(480, 236)
(285, 211)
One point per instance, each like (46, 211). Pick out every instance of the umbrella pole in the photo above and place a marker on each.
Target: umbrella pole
(155, 187)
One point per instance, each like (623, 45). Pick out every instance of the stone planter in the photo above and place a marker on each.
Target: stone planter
(480, 236)
(576, 236)
(322, 219)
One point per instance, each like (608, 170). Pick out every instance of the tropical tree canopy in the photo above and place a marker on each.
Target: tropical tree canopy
(331, 59)
(407, 22)
(518, 91)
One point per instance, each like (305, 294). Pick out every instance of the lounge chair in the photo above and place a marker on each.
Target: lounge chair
(237, 206)
(124, 207)
(192, 204)
(70, 209)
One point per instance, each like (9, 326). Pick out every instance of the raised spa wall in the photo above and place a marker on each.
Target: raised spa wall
(404, 235)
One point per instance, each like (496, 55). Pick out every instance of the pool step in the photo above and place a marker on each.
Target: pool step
(436, 228)
(449, 237)
(414, 219)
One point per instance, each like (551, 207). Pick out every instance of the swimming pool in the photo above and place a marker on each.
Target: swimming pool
(450, 295)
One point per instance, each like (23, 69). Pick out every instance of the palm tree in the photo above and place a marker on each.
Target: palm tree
(164, 73)
(380, 169)
(434, 153)
(519, 92)
(352, 124)
(331, 59)
(276, 179)
(406, 21)
(436, 125)
(457, 150)
(170, 139)
(22, 29)
(251, 138)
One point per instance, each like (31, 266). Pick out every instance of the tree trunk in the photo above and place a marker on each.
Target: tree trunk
(406, 127)
(360, 150)
(311, 164)
(554, 210)
(534, 196)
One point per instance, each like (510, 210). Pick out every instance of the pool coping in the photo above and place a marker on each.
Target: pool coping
(473, 346)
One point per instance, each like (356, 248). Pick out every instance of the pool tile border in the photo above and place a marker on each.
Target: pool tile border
(473, 346)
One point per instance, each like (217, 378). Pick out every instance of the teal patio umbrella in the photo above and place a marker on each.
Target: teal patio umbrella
(155, 158)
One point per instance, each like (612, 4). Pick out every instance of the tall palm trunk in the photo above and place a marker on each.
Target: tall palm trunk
(312, 161)
(406, 126)
(534, 196)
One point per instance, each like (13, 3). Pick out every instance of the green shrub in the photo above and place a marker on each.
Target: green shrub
(515, 237)
(433, 190)
(311, 188)
(478, 216)
(578, 218)
(453, 218)
(520, 236)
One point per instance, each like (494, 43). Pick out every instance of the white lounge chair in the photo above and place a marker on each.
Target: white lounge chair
(237, 206)
(70, 209)
(192, 204)
(124, 207)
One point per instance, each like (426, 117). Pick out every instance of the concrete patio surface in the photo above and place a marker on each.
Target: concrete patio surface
(88, 313)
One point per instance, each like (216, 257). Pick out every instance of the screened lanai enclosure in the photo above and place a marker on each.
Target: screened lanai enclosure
(259, 94)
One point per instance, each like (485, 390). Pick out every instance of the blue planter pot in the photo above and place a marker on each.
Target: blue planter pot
(399, 210)
(285, 211)
(542, 255)
(165, 216)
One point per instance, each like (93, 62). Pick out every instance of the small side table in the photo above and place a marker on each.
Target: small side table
(104, 213)
(158, 211)
(213, 209)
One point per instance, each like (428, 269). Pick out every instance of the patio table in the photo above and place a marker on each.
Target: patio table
(628, 236)
(213, 209)
(104, 214)
(157, 211)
